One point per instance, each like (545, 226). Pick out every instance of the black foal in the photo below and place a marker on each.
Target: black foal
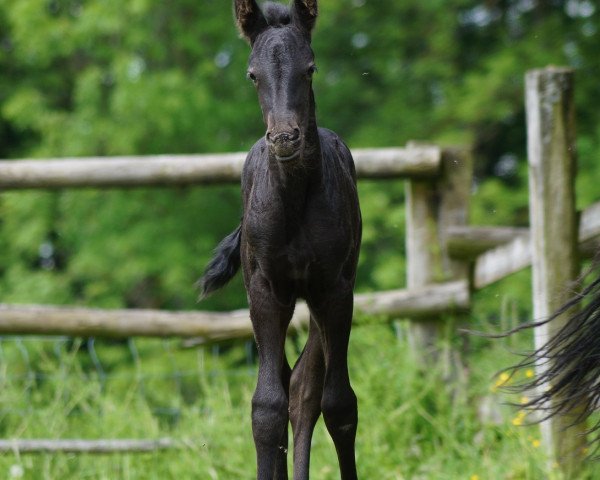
(299, 238)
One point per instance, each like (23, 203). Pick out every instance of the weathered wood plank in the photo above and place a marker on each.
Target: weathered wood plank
(419, 162)
(432, 206)
(22, 446)
(432, 299)
(424, 264)
(120, 171)
(213, 326)
(90, 322)
(589, 231)
(500, 262)
(555, 264)
(466, 243)
(504, 260)
(191, 169)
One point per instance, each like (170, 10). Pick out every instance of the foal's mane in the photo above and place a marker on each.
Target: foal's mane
(276, 14)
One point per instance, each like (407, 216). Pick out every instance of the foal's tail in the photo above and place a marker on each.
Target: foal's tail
(570, 382)
(224, 264)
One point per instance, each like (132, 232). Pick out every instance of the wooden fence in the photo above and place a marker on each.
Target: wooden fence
(421, 164)
(447, 259)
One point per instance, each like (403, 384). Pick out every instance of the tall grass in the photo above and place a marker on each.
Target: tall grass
(413, 424)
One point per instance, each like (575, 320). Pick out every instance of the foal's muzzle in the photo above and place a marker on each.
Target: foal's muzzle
(285, 145)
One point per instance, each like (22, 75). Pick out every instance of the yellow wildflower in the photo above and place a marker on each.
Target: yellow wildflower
(518, 420)
(474, 477)
(502, 380)
(529, 373)
(536, 443)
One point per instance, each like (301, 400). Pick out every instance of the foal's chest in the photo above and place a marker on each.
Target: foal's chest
(298, 248)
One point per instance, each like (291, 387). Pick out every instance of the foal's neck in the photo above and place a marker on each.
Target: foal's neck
(294, 181)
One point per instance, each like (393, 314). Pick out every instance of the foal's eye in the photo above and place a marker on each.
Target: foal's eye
(251, 76)
(311, 70)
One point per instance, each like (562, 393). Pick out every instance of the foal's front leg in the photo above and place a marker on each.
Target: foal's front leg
(270, 401)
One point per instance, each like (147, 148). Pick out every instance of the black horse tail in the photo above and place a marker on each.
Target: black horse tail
(224, 264)
(570, 378)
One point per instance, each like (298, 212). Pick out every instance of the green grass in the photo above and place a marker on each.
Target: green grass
(414, 423)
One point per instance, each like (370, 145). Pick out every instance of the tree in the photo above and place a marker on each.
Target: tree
(106, 77)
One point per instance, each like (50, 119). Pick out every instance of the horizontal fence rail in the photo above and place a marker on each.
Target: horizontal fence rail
(214, 326)
(468, 243)
(22, 446)
(163, 170)
(516, 255)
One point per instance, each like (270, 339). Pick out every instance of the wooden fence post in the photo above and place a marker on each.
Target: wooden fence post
(553, 218)
(431, 207)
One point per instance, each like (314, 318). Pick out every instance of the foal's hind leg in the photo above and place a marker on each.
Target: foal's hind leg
(306, 390)
(333, 314)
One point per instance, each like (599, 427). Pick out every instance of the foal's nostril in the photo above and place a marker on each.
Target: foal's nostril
(284, 137)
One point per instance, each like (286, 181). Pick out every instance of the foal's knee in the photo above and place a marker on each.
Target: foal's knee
(340, 413)
(269, 415)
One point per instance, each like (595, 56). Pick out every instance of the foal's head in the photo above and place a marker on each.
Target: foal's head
(281, 66)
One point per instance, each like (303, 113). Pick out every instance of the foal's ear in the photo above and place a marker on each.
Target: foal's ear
(249, 18)
(305, 13)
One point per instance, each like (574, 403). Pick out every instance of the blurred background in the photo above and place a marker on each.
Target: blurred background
(106, 77)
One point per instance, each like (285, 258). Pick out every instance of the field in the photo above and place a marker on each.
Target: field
(415, 422)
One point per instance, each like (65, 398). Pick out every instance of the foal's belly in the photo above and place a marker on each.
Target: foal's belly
(309, 268)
